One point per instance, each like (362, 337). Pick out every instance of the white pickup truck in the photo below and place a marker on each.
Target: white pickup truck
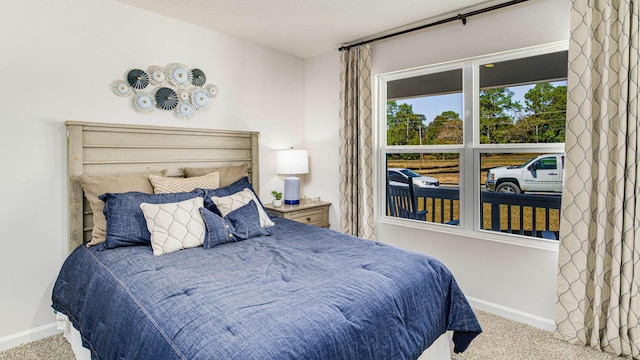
(543, 173)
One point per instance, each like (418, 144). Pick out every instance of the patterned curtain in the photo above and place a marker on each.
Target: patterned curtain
(356, 152)
(599, 256)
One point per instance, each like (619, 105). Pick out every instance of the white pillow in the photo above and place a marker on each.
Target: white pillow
(227, 204)
(166, 185)
(174, 226)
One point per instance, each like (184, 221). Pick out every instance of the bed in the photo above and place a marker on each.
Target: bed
(282, 291)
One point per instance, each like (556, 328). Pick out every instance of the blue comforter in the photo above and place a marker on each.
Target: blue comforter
(302, 293)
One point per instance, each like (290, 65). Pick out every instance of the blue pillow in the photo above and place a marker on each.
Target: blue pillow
(226, 191)
(246, 221)
(240, 224)
(126, 225)
(217, 230)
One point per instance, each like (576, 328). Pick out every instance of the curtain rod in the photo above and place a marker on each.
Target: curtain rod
(461, 17)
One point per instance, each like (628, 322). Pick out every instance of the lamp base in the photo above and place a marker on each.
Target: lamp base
(292, 190)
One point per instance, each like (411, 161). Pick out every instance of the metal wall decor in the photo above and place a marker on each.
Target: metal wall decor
(177, 88)
(166, 98)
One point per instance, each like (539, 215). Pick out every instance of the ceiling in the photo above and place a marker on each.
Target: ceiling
(304, 28)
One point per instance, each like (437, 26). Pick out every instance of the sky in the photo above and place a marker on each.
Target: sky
(433, 106)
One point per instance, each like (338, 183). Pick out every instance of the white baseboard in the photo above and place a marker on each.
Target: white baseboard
(23, 337)
(513, 314)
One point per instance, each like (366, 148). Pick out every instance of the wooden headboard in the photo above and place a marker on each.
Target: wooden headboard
(101, 149)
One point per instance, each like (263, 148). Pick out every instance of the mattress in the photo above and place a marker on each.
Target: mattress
(301, 293)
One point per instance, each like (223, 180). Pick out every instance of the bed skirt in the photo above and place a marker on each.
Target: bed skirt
(439, 350)
(73, 337)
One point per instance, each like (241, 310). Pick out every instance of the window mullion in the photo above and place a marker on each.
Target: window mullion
(467, 196)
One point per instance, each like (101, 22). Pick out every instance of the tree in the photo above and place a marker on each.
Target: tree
(450, 132)
(545, 99)
(435, 127)
(546, 107)
(496, 107)
(403, 126)
(503, 120)
(523, 132)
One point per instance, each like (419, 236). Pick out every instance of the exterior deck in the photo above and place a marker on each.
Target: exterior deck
(522, 214)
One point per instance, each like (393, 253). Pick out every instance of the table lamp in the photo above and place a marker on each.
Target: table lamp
(292, 162)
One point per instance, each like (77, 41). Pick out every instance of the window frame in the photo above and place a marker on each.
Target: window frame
(471, 148)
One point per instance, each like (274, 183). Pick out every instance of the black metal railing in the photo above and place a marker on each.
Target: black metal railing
(524, 214)
(440, 203)
(528, 208)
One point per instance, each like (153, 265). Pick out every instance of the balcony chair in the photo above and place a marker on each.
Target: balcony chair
(402, 202)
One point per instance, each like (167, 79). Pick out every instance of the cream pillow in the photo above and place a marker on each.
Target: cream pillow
(227, 204)
(165, 185)
(96, 185)
(174, 226)
(228, 174)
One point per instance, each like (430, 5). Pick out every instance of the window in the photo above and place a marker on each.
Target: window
(476, 144)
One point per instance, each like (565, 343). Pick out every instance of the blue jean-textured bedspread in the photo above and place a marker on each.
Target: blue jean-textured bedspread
(303, 293)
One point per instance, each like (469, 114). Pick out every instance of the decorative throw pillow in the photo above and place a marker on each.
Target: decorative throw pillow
(165, 185)
(229, 190)
(217, 230)
(126, 225)
(227, 204)
(174, 226)
(240, 224)
(245, 221)
(228, 174)
(96, 185)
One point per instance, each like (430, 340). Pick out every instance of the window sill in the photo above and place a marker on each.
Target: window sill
(533, 243)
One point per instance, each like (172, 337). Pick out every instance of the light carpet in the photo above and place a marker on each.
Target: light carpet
(504, 339)
(501, 339)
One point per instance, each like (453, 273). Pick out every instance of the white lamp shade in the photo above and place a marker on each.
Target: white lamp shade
(292, 161)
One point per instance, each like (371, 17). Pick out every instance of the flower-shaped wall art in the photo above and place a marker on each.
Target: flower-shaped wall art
(174, 87)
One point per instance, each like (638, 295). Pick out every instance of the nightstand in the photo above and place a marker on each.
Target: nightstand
(313, 214)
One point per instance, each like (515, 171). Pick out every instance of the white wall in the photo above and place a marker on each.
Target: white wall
(511, 280)
(58, 61)
(321, 130)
